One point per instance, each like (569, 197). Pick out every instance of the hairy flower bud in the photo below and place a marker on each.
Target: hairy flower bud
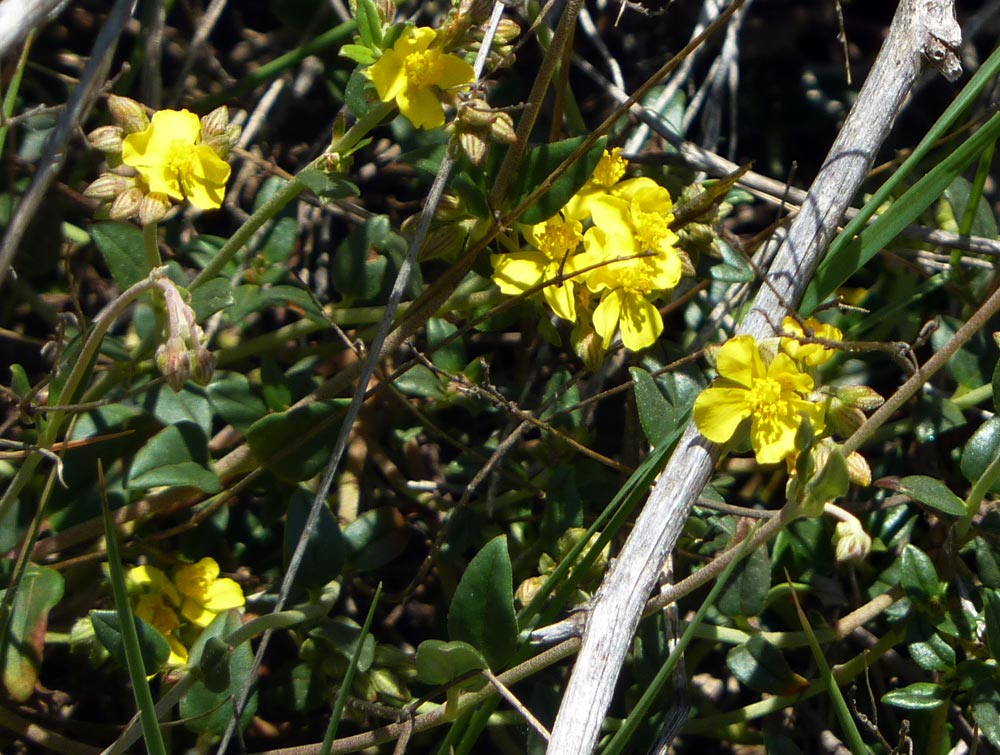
(174, 362)
(106, 139)
(502, 128)
(128, 114)
(507, 31)
(126, 205)
(153, 208)
(858, 470)
(852, 542)
(474, 146)
(106, 187)
(214, 123)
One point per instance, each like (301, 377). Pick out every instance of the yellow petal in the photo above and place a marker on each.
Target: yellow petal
(719, 410)
(561, 298)
(786, 372)
(196, 613)
(641, 323)
(454, 72)
(739, 361)
(607, 315)
(516, 273)
(388, 74)
(773, 436)
(224, 594)
(205, 187)
(421, 107)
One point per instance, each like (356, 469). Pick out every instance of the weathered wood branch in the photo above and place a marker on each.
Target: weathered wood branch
(922, 32)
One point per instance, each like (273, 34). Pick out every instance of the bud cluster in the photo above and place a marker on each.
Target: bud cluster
(182, 354)
(477, 124)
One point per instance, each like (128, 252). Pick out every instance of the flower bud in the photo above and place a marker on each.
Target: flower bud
(214, 123)
(128, 114)
(507, 31)
(202, 366)
(860, 396)
(528, 589)
(588, 346)
(844, 420)
(174, 362)
(152, 208)
(126, 205)
(852, 542)
(502, 128)
(106, 139)
(106, 187)
(474, 146)
(858, 470)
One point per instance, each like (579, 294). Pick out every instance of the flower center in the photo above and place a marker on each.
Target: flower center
(180, 157)
(193, 585)
(764, 396)
(424, 69)
(610, 168)
(635, 276)
(559, 239)
(651, 228)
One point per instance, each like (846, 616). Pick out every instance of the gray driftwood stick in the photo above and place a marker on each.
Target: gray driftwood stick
(922, 31)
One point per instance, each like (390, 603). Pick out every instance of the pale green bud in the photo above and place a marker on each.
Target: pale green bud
(106, 139)
(128, 114)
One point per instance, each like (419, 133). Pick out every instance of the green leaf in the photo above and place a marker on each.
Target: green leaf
(918, 696)
(360, 54)
(122, 247)
(215, 295)
(41, 588)
(746, 592)
(656, 413)
(541, 162)
(986, 710)
(327, 185)
(482, 610)
(288, 442)
(982, 448)
(342, 634)
(357, 271)
(176, 456)
(761, 666)
(441, 663)
(991, 611)
(154, 646)
(933, 493)
(987, 563)
(203, 709)
(214, 665)
(734, 267)
(934, 653)
(919, 577)
(369, 23)
(250, 298)
(326, 550)
(450, 358)
(187, 405)
(957, 195)
(376, 537)
(236, 400)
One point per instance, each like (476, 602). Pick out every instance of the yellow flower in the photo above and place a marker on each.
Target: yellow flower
(154, 610)
(414, 72)
(809, 354)
(170, 158)
(556, 241)
(204, 594)
(773, 396)
(155, 598)
(607, 174)
(632, 235)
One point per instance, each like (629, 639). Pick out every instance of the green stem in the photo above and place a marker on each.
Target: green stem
(10, 98)
(151, 245)
(349, 141)
(130, 637)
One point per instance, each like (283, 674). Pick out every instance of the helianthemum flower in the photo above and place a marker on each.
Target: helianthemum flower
(173, 162)
(556, 241)
(204, 593)
(156, 600)
(414, 73)
(632, 237)
(773, 396)
(809, 354)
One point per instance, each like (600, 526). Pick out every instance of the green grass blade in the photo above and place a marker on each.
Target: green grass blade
(133, 655)
(839, 263)
(10, 97)
(843, 261)
(840, 707)
(345, 687)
